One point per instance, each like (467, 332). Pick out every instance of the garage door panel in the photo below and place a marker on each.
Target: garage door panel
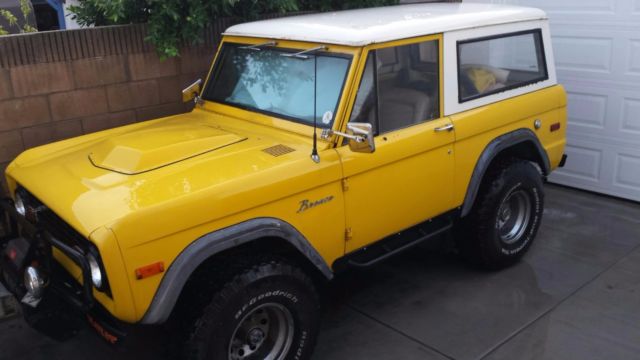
(634, 57)
(604, 11)
(627, 172)
(585, 164)
(610, 55)
(584, 6)
(597, 52)
(631, 116)
(587, 110)
(579, 12)
(609, 170)
(583, 54)
(612, 115)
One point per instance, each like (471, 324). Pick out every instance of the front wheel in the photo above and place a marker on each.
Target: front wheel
(267, 311)
(506, 216)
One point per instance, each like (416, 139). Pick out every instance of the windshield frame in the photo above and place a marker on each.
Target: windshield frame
(217, 67)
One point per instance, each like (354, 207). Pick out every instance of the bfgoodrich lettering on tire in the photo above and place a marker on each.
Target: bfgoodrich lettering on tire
(267, 311)
(506, 216)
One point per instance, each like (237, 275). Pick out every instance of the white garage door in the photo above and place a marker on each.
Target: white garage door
(597, 50)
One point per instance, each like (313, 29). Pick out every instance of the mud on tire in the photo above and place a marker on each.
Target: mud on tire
(505, 217)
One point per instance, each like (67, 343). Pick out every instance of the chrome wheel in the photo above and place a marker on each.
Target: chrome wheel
(265, 333)
(513, 216)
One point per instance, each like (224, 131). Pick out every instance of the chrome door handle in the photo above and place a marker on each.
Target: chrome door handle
(447, 127)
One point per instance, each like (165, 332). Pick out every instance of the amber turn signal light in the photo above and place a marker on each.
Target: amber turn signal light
(149, 270)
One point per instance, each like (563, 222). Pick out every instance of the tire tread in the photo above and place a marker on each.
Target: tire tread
(233, 277)
(475, 228)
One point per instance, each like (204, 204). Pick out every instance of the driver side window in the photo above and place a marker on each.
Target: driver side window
(399, 87)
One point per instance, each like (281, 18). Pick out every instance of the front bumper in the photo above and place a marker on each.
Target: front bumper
(65, 304)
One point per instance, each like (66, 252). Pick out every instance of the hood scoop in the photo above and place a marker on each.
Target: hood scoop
(159, 145)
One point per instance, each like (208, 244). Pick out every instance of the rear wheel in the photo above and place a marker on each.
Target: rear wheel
(506, 216)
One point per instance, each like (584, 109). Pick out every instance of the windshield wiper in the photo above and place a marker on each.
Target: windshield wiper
(258, 47)
(304, 54)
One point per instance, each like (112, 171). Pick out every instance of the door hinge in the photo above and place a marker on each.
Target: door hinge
(345, 184)
(348, 234)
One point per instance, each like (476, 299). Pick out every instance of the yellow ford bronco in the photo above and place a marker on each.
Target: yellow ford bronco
(317, 143)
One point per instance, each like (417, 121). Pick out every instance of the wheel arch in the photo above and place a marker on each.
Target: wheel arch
(521, 143)
(244, 235)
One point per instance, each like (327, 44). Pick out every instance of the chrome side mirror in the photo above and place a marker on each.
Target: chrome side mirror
(362, 141)
(192, 92)
(360, 137)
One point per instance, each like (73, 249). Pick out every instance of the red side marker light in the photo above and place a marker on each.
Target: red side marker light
(149, 270)
(13, 254)
(555, 127)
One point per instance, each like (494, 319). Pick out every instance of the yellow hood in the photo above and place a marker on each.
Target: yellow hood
(158, 145)
(137, 170)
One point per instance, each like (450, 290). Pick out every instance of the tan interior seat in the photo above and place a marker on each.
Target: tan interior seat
(402, 107)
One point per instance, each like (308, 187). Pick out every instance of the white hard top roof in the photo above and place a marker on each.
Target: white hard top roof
(375, 25)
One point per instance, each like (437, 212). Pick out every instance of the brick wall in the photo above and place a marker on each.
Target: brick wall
(57, 85)
(60, 84)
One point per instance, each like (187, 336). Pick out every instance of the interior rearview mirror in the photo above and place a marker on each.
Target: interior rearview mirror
(362, 137)
(192, 92)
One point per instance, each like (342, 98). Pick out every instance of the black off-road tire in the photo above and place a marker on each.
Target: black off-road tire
(483, 237)
(267, 286)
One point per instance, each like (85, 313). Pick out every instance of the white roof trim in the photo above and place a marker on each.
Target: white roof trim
(368, 26)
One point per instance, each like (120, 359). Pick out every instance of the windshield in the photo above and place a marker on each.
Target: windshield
(263, 80)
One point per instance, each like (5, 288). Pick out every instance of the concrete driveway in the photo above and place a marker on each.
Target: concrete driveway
(576, 295)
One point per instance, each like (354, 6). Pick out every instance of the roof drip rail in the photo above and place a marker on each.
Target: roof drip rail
(304, 54)
(259, 47)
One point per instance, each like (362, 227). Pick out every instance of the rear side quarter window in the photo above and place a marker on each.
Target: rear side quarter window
(499, 63)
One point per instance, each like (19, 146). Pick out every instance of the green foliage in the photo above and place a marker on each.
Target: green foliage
(7, 15)
(26, 9)
(12, 20)
(174, 22)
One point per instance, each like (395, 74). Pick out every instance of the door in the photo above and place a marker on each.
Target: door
(597, 52)
(408, 179)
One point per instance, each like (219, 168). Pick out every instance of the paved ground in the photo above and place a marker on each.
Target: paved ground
(576, 295)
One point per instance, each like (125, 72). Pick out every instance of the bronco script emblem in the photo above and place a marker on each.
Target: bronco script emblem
(308, 204)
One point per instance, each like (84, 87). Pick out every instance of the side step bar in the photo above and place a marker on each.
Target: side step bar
(395, 244)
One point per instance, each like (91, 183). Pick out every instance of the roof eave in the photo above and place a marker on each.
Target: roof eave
(360, 43)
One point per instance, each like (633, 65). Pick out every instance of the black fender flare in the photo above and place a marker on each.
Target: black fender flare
(215, 242)
(497, 145)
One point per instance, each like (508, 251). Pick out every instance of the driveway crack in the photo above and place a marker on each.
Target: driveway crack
(562, 301)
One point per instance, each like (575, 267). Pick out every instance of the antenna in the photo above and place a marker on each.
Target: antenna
(304, 55)
(314, 153)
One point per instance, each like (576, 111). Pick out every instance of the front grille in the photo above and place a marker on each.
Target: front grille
(46, 219)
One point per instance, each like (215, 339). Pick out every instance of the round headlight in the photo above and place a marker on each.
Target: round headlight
(96, 273)
(19, 203)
